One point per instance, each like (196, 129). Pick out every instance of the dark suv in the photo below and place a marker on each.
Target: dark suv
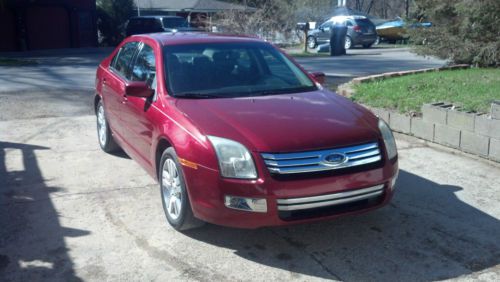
(152, 24)
(360, 31)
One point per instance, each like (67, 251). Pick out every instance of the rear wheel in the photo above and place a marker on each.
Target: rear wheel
(348, 42)
(175, 200)
(104, 135)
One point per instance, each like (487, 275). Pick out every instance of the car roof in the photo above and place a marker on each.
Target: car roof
(343, 18)
(178, 38)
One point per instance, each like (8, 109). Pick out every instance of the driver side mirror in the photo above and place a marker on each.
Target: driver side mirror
(319, 77)
(138, 89)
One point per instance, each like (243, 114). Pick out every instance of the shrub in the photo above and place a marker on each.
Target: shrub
(112, 16)
(464, 31)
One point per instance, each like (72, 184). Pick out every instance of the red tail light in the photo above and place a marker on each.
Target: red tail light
(356, 28)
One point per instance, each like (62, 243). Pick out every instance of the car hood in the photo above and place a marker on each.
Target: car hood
(283, 123)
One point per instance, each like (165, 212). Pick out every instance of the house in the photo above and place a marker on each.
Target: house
(198, 12)
(47, 24)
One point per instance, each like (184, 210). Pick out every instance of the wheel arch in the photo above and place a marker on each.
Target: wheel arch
(162, 145)
(97, 98)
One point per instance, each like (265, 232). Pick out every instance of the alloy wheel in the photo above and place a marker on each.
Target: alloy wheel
(348, 43)
(101, 126)
(171, 186)
(311, 42)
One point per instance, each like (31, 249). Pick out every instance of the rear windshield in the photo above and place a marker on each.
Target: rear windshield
(231, 70)
(364, 22)
(175, 22)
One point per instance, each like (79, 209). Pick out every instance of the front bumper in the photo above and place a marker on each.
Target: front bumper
(290, 199)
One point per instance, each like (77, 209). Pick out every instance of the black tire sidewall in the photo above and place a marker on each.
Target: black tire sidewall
(185, 205)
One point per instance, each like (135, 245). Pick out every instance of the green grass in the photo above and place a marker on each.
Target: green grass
(472, 89)
(16, 62)
(308, 54)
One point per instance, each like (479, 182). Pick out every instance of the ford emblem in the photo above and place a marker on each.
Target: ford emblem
(335, 159)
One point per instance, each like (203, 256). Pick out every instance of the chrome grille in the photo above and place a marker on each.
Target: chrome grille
(293, 204)
(322, 160)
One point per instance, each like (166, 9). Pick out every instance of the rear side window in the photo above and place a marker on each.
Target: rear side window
(121, 62)
(144, 68)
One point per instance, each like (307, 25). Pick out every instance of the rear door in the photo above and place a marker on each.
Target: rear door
(113, 87)
(136, 112)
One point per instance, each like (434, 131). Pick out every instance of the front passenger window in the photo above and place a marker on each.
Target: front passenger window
(144, 68)
(122, 60)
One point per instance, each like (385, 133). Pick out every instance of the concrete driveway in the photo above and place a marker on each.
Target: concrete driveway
(70, 212)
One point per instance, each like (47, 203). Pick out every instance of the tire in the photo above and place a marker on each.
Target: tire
(174, 196)
(311, 42)
(104, 136)
(377, 41)
(348, 43)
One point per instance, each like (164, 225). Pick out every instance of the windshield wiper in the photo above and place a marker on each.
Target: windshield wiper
(284, 91)
(196, 95)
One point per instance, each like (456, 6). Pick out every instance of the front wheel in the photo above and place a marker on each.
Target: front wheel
(104, 135)
(348, 43)
(311, 42)
(175, 200)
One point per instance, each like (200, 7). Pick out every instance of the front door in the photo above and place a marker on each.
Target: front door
(136, 115)
(113, 86)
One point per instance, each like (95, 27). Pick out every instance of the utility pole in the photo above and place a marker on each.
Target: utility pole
(138, 8)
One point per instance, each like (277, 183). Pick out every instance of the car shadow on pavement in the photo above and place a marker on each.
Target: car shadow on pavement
(32, 246)
(426, 233)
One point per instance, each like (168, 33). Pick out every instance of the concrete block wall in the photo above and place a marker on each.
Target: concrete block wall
(447, 125)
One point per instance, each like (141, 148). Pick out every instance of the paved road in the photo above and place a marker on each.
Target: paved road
(362, 62)
(55, 69)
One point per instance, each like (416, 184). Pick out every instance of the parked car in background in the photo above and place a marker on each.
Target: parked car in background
(238, 134)
(151, 24)
(360, 31)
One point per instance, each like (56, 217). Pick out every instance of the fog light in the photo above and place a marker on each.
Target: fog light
(394, 179)
(245, 204)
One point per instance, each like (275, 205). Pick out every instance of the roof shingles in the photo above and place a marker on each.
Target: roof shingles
(189, 5)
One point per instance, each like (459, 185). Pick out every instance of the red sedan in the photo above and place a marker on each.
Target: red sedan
(238, 134)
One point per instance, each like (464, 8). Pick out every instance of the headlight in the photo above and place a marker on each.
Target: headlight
(235, 160)
(390, 143)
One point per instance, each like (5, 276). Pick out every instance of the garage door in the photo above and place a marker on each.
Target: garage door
(7, 30)
(47, 28)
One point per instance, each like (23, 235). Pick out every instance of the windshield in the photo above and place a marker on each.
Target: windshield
(231, 70)
(175, 22)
